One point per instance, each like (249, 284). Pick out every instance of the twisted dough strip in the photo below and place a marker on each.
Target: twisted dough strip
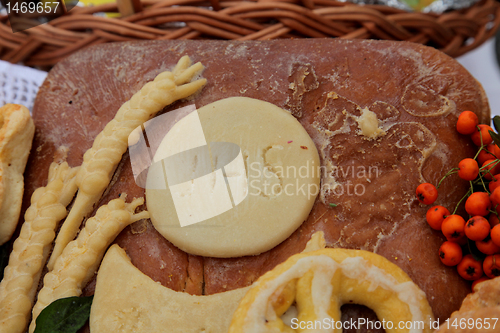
(81, 257)
(100, 161)
(31, 249)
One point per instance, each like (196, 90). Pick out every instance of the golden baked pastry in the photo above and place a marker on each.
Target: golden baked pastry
(318, 283)
(73, 263)
(16, 135)
(31, 249)
(101, 160)
(479, 313)
(80, 258)
(121, 290)
(71, 269)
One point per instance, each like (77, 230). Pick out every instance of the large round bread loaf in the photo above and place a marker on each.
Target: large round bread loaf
(332, 87)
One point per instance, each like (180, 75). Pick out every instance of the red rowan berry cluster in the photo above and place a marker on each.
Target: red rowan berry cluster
(472, 245)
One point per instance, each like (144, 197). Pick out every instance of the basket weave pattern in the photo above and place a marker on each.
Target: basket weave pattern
(454, 33)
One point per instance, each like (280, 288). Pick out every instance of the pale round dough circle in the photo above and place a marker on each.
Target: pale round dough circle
(282, 172)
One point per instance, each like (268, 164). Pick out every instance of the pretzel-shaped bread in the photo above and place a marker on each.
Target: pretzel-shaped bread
(320, 282)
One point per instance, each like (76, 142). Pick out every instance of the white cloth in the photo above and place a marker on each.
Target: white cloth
(482, 64)
(19, 84)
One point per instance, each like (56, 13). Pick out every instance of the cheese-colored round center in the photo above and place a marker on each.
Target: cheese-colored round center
(234, 178)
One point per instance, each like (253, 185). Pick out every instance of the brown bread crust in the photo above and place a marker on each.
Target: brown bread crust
(416, 92)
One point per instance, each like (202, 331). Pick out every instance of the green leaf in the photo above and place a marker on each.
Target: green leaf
(495, 137)
(65, 315)
(411, 3)
(4, 258)
(332, 205)
(496, 123)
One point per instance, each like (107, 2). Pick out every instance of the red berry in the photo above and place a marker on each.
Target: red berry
(495, 197)
(494, 149)
(450, 253)
(435, 216)
(491, 266)
(493, 219)
(453, 228)
(478, 203)
(427, 193)
(487, 246)
(489, 168)
(477, 228)
(483, 156)
(468, 169)
(495, 235)
(470, 268)
(482, 135)
(467, 122)
(495, 182)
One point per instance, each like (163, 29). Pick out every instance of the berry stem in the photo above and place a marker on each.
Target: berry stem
(478, 151)
(449, 173)
(492, 163)
(480, 136)
(482, 182)
(469, 192)
(488, 169)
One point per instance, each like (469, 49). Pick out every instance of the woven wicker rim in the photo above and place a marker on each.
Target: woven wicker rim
(454, 33)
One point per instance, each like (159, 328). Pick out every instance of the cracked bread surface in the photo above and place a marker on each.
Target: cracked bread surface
(415, 91)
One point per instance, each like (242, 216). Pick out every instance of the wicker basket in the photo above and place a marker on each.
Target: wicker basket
(455, 32)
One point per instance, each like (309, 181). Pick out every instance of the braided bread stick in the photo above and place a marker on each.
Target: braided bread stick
(31, 248)
(100, 161)
(81, 257)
